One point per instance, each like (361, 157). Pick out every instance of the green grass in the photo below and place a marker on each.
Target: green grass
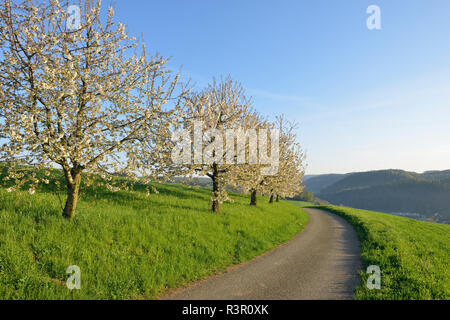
(413, 256)
(130, 246)
(301, 204)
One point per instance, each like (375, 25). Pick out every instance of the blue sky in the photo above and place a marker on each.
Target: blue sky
(364, 99)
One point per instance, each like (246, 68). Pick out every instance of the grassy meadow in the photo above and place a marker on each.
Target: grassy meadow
(413, 256)
(128, 245)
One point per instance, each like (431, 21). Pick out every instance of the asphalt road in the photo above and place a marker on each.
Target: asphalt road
(321, 262)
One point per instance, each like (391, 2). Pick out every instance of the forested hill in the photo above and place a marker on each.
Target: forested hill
(387, 190)
(318, 182)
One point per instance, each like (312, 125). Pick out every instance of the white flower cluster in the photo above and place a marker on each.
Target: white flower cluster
(93, 102)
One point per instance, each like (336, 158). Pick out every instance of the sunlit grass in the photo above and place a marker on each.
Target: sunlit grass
(130, 246)
(413, 256)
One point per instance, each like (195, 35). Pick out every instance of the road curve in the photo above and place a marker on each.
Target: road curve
(321, 262)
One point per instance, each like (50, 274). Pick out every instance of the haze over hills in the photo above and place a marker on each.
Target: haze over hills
(391, 191)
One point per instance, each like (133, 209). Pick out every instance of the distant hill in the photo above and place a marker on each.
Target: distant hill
(318, 182)
(390, 191)
(436, 175)
(367, 179)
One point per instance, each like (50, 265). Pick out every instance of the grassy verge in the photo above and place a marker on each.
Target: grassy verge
(413, 256)
(130, 246)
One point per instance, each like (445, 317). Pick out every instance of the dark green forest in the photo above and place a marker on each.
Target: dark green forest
(399, 191)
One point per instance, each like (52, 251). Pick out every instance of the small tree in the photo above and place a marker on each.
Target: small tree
(305, 195)
(79, 94)
(208, 115)
(250, 177)
(288, 180)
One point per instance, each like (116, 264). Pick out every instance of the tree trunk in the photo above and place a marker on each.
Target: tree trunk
(278, 198)
(73, 188)
(216, 190)
(271, 198)
(253, 198)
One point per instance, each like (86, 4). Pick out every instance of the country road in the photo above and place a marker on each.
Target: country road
(321, 262)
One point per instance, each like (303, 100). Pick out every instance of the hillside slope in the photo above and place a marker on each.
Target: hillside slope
(424, 197)
(128, 245)
(319, 182)
(390, 191)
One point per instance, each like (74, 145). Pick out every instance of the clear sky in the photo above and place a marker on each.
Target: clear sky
(365, 99)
